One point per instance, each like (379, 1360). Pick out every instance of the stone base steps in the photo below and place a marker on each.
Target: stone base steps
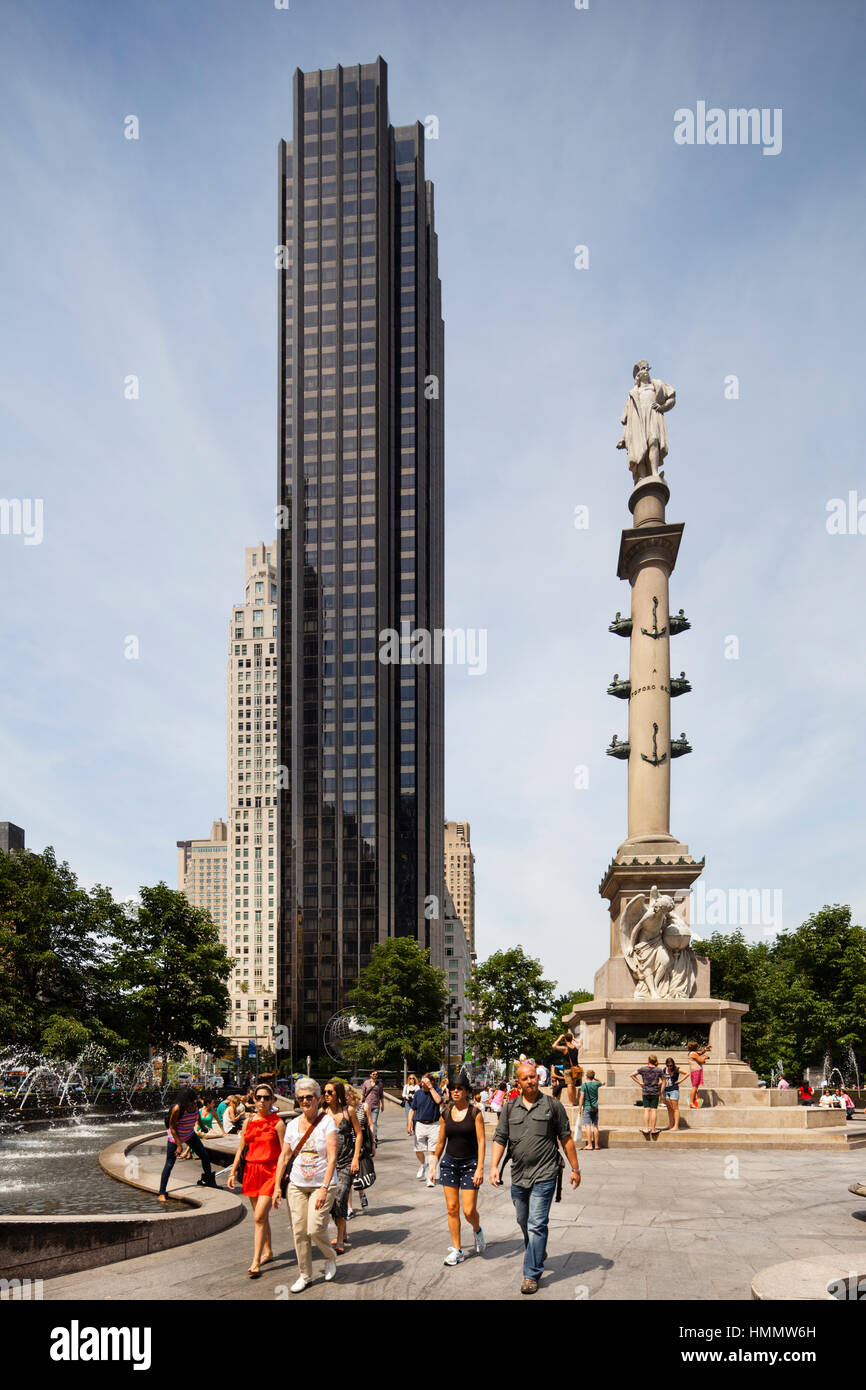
(755, 1097)
(834, 1140)
(727, 1117)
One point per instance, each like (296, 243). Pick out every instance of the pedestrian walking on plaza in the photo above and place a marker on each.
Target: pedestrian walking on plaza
(650, 1078)
(362, 1181)
(461, 1171)
(424, 1116)
(530, 1131)
(180, 1131)
(259, 1149)
(348, 1154)
(567, 1044)
(588, 1097)
(409, 1089)
(846, 1103)
(697, 1057)
(373, 1095)
(310, 1155)
(671, 1095)
(497, 1100)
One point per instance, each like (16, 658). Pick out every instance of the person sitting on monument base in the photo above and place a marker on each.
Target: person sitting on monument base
(697, 1057)
(573, 1073)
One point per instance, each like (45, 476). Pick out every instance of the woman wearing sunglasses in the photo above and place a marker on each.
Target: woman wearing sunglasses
(262, 1137)
(461, 1171)
(311, 1145)
(348, 1154)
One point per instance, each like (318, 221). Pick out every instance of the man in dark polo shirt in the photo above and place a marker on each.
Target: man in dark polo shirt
(424, 1115)
(529, 1128)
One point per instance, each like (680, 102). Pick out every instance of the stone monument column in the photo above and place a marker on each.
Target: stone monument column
(653, 995)
(647, 558)
(650, 856)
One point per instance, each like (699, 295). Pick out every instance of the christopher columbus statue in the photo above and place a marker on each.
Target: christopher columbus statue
(645, 436)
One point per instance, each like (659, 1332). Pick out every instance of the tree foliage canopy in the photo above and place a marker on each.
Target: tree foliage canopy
(806, 990)
(402, 999)
(56, 988)
(509, 991)
(172, 969)
(79, 969)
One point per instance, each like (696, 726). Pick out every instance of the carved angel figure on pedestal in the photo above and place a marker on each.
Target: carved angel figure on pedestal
(656, 945)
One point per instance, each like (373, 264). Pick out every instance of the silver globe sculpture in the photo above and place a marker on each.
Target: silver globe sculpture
(339, 1029)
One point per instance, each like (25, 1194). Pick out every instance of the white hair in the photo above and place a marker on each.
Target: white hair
(306, 1083)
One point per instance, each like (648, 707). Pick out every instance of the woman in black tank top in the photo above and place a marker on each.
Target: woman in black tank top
(461, 1148)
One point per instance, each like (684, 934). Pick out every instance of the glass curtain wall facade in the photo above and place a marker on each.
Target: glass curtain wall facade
(360, 544)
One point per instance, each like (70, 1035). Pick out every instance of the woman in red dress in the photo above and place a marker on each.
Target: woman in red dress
(262, 1137)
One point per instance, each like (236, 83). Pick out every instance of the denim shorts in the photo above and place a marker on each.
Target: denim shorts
(457, 1172)
(590, 1115)
(673, 1093)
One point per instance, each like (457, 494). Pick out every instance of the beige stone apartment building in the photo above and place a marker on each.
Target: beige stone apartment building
(460, 875)
(202, 873)
(252, 694)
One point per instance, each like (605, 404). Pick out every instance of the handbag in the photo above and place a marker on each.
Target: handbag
(242, 1163)
(366, 1174)
(284, 1180)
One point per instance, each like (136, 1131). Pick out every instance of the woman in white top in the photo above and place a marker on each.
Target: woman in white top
(311, 1190)
(409, 1090)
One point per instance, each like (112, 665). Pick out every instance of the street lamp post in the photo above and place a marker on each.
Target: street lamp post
(453, 1011)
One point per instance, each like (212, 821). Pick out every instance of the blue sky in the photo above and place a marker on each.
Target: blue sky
(155, 257)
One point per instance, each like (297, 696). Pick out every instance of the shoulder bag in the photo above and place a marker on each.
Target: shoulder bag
(284, 1181)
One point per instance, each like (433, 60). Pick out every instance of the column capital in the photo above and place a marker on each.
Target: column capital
(641, 544)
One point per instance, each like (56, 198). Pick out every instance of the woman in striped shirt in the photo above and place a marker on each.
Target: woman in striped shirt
(181, 1130)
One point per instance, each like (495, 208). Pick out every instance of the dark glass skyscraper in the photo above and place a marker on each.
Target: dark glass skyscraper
(361, 543)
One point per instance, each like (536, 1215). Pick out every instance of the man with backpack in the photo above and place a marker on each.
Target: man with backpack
(530, 1129)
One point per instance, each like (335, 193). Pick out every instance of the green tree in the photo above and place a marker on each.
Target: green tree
(562, 1005)
(746, 972)
(806, 991)
(172, 970)
(56, 990)
(508, 992)
(822, 987)
(401, 998)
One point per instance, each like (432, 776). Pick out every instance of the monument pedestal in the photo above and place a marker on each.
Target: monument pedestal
(619, 1032)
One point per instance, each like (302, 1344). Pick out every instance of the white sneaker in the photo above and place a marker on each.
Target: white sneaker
(431, 1182)
(480, 1242)
(301, 1284)
(421, 1171)
(454, 1257)
(330, 1270)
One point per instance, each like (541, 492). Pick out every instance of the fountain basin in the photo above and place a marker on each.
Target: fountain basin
(42, 1247)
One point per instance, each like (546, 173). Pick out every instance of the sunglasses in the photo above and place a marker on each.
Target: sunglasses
(264, 1096)
(329, 1091)
(302, 1099)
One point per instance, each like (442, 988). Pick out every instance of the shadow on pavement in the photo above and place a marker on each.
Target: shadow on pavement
(560, 1267)
(357, 1273)
(388, 1211)
(373, 1237)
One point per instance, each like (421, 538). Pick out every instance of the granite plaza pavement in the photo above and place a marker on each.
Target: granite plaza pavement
(646, 1223)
